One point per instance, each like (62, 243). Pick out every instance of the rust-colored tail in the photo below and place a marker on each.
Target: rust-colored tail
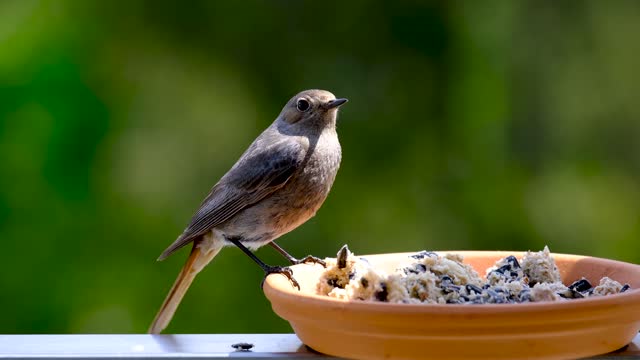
(197, 260)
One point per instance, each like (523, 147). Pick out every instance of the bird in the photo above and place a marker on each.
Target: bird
(278, 183)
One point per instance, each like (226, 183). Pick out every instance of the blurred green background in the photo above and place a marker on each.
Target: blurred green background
(471, 125)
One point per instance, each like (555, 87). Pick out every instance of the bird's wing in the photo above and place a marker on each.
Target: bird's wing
(255, 176)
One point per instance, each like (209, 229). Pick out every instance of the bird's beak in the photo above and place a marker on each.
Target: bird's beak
(334, 103)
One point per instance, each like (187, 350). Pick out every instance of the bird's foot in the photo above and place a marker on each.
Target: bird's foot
(310, 259)
(287, 272)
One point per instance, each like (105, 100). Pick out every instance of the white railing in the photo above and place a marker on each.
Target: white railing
(257, 346)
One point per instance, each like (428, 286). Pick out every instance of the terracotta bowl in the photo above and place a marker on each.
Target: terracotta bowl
(553, 330)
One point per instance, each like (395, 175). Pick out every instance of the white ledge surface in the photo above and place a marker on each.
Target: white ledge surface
(274, 346)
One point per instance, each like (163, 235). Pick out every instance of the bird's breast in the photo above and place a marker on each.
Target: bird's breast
(297, 201)
(305, 192)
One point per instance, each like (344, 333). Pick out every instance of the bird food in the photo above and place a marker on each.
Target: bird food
(431, 278)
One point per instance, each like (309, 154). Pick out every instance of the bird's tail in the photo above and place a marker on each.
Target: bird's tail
(199, 257)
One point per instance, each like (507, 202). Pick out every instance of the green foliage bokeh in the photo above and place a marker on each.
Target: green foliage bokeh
(472, 125)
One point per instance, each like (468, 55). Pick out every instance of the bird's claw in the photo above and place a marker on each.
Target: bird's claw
(287, 272)
(310, 259)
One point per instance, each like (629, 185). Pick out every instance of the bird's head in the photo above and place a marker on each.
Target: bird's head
(317, 108)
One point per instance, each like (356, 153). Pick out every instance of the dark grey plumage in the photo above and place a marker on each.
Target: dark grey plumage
(257, 174)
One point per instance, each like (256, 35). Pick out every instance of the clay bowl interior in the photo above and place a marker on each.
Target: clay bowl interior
(551, 330)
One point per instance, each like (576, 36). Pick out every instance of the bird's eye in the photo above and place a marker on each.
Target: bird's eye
(303, 105)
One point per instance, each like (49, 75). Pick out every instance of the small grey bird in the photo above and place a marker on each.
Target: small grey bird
(279, 182)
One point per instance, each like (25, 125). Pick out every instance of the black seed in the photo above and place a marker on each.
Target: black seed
(447, 285)
(485, 286)
(449, 288)
(576, 295)
(342, 257)
(382, 294)
(419, 255)
(417, 269)
(473, 289)
(422, 254)
(446, 278)
(571, 294)
(504, 269)
(513, 262)
(581, 285)
(364, 282)
(625, 287)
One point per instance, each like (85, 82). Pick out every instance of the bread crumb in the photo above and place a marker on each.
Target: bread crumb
(539, 267)
(607, 287)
